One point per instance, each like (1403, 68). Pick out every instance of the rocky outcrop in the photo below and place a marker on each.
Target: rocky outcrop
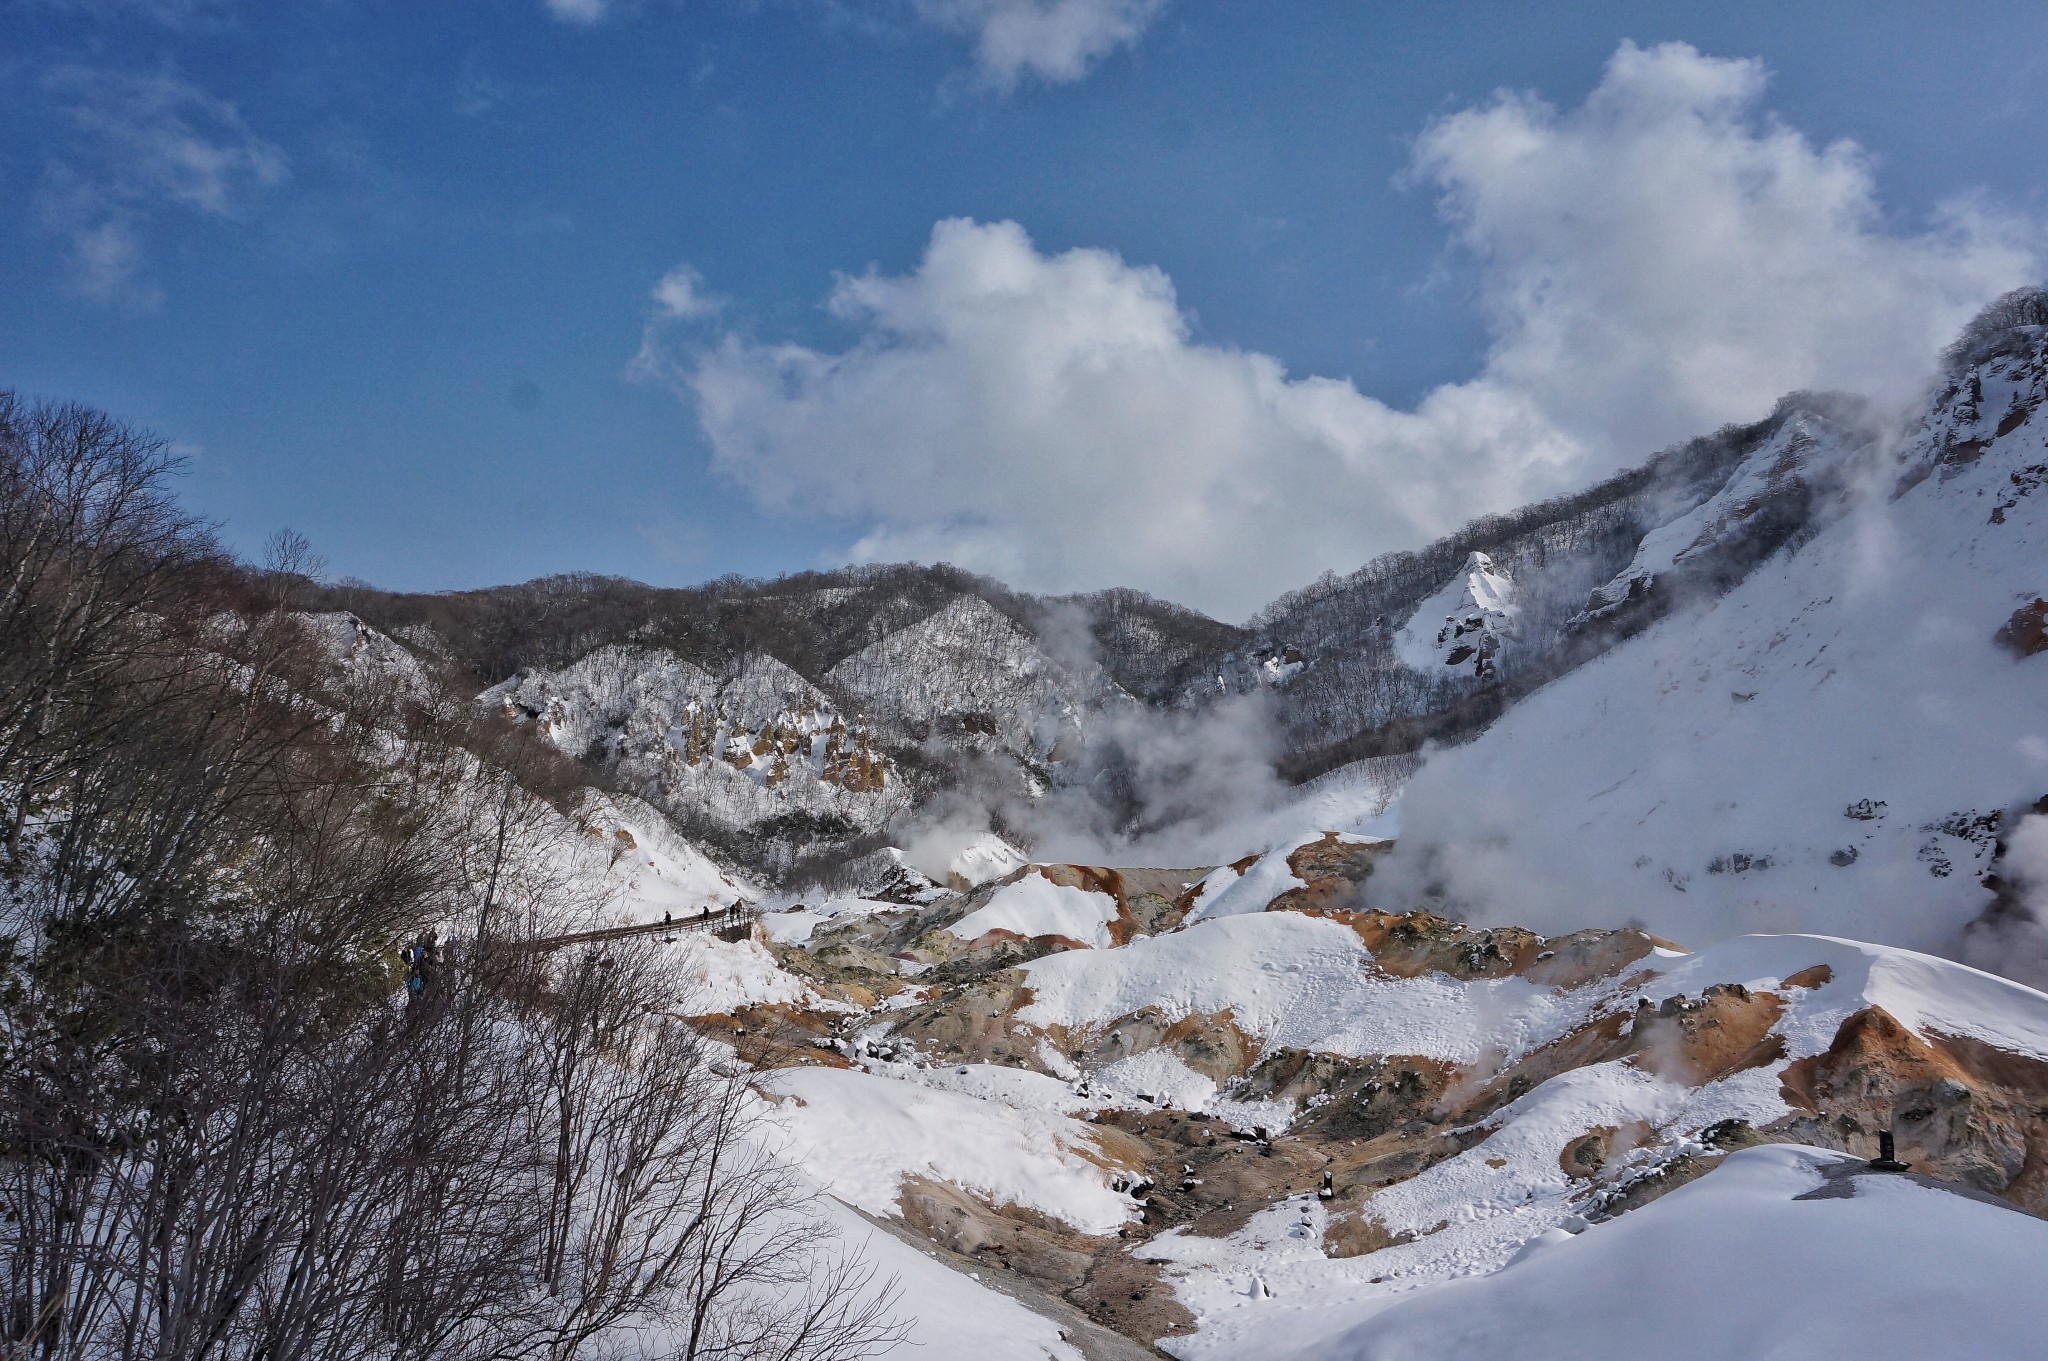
(1958, 1109)
(2026, 633)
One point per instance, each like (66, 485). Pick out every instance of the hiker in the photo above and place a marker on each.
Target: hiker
(420, 962)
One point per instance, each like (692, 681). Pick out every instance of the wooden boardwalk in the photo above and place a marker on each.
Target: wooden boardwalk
(732, 924)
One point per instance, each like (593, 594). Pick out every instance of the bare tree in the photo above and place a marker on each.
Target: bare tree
(665, 1205)
(223, 1134)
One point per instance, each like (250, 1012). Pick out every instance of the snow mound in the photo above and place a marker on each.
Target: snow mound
(1036, 906)
(1302, 982)
(983, 858)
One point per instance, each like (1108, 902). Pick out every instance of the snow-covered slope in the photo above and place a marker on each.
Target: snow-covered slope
(650, 872)
(860, 1135)
(1783, 1252)
(1795, 481)
(1833, 745)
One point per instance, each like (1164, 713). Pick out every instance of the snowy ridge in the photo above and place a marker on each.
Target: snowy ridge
(1929, 996)
(1757, 1260)
(969, 671)
(1808, 456)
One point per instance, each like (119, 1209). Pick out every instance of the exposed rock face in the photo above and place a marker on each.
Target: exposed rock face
(2026, 633)
(1956, 1109)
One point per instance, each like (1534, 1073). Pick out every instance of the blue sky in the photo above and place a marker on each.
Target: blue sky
(1199, 297)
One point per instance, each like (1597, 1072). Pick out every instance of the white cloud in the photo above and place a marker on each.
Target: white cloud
(1663, 254)
(681, 295)
(1655, 262)
(1056, 41)
(141, 144)
(579, 11)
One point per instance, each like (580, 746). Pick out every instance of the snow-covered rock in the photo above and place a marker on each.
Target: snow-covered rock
(1034, 905)
(1465, 624)
(982, 858)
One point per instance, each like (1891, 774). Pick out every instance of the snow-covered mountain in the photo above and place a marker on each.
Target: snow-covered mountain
(972, 674)
(1837, 743)
(1517, 597)
(792, 717)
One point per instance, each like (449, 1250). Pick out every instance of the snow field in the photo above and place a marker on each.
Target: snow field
(1736, 1264)
(859, 1135)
